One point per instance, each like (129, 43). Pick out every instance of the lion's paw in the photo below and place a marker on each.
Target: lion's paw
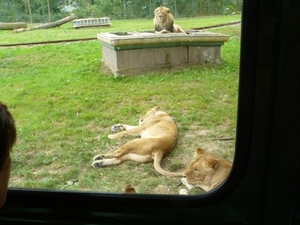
(117, 127)
(164, 31)
(97, 164)
(111, 136)
(183, 192)
(98, 157)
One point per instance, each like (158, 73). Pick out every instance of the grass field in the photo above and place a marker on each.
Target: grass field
(64, 105)
(67, 32)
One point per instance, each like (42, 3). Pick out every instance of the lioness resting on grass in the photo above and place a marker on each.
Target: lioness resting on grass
(158, 133)
(164, 21)
(206, 171)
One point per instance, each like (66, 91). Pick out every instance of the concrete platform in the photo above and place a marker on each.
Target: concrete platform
(126, 53)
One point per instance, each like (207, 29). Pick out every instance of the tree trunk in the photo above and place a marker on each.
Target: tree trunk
(11, 26)
(48, 25)
(49, 13)
(29, 11)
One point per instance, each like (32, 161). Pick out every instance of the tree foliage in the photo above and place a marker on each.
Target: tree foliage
(18, 10)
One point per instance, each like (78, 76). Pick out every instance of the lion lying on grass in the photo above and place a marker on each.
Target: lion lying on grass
(164, 21)
(158, 133)
(206, 171)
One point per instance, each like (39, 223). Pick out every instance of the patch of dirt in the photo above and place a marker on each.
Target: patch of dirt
(161, 189)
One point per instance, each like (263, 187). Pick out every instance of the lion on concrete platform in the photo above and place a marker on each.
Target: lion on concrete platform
(164, 21)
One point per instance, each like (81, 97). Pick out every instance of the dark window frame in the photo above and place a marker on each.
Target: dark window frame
(267, 108)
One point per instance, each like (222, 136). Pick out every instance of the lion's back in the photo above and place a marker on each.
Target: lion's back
(161, 125)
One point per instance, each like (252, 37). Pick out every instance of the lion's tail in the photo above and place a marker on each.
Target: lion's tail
(157, 157)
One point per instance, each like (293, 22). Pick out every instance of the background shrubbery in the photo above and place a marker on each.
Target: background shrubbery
(37, 11)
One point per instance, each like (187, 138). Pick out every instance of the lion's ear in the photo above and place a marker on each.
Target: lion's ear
(214, 164)
(199, 151)
(168, 10)
(210, 165)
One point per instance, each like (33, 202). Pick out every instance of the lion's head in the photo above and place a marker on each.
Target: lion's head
(206, 171)
(151, 112)
(163, 14)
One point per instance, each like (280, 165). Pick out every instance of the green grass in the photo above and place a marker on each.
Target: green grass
(64, 105)
(66, 31)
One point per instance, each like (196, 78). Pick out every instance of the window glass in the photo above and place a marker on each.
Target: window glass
(65, 100)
